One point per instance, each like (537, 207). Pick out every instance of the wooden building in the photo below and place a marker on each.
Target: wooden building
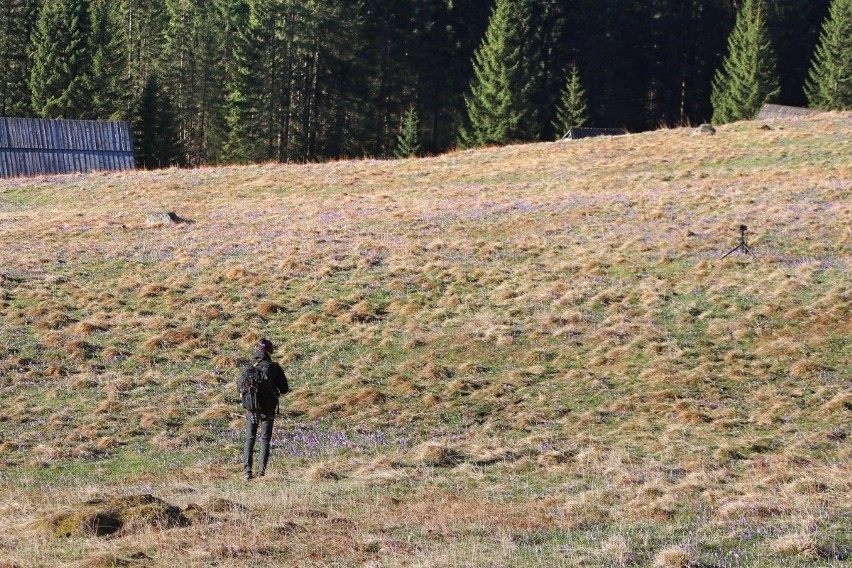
(33, 146)
(781, 112)
(577, 133)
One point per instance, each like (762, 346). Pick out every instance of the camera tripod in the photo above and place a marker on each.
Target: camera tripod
(742, 246)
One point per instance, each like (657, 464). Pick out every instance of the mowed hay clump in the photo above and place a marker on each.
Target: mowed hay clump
(102, 517)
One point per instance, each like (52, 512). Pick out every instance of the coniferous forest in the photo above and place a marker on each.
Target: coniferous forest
(238, 81)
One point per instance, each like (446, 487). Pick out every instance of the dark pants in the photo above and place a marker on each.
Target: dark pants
(252, 422)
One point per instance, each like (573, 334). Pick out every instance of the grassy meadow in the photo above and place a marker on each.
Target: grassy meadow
(520, 356)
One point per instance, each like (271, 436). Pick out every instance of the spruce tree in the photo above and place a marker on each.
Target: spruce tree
(110, 76)
(829, 84)
(794, 27)
(336, 115)
(245, 99)
(208, 134)
(499, 106)
(146, 26)
(188, 68)
(155, 131)
(748, 77)
(680, 52)
(145, 125)
(225, 17)
(17, 20)
(408, 139)
(61, 80)
(572, 109)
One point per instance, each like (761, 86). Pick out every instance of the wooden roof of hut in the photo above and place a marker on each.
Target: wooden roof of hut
(577, 133)
(782, 112)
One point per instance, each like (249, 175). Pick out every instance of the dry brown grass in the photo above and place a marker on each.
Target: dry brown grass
(577, 376)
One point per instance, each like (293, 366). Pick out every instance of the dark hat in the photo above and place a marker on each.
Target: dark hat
(265, 346)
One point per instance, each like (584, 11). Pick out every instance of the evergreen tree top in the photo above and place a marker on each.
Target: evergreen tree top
(829, 84)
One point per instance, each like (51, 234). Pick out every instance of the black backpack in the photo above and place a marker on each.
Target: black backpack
(255, 389)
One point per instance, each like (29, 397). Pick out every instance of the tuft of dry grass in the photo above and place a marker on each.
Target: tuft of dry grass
(217, 412)
(267, 309)
(153, 343)
(179, 336)
(802, 545)
(322, 472)
(674, 557)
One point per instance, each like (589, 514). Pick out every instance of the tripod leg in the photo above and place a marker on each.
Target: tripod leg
(736, 248)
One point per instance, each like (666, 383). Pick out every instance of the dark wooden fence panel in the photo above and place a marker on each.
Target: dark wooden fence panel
(31, 146)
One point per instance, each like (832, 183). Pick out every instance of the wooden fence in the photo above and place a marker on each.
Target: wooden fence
(781, 112)
(31, 146)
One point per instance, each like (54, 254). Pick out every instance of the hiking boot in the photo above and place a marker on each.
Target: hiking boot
(247, 476)
(261, 473)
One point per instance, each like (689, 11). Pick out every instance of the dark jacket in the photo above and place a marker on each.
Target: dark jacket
(277, 382)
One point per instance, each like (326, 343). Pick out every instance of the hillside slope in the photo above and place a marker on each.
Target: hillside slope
(537, 347)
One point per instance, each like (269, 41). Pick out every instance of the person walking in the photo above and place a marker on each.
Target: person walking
(260, 385)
